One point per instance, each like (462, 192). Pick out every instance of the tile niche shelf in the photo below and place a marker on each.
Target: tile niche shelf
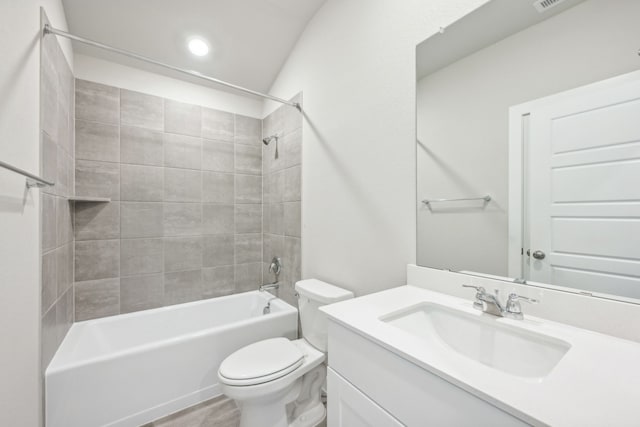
(83, 199)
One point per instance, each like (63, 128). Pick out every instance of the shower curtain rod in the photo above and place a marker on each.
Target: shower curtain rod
(48, 29)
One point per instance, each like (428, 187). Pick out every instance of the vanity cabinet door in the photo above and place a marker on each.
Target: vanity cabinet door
(349, 407)
(412, 395)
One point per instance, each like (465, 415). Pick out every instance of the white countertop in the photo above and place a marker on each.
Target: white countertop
(597, 382)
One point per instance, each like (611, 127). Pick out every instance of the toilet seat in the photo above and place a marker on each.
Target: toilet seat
(261, 362)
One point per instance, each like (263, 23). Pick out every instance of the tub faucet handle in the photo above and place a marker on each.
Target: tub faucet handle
(275, 267)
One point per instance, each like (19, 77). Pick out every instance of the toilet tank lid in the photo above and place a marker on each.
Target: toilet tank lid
(322, 292)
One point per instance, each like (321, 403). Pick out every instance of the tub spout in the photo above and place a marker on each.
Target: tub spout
(269, 286)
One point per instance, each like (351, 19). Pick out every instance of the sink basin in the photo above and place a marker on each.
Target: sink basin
(506, 348)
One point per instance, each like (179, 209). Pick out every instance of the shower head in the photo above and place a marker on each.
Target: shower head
(268, 139)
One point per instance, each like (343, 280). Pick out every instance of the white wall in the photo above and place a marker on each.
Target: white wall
(122, 76)
(355, 64)
(20, 402)
(463, 122)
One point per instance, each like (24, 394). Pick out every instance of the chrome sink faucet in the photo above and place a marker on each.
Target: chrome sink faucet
(490, 303)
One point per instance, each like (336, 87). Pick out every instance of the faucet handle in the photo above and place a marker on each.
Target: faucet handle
(513, 308)
(477, 288)
(515, 297)
(477, 304)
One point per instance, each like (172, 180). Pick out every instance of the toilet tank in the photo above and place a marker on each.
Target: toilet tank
(313, 294)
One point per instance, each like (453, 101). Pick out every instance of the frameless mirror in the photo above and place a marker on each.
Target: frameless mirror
(528, 145)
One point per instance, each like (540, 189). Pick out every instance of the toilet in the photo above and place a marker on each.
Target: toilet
(278, 382)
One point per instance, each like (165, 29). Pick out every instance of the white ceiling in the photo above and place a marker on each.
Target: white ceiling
(249, 39)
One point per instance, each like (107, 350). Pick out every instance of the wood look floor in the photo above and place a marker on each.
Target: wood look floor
(218, 412)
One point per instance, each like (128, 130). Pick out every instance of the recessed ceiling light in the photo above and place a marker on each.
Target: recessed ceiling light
(198, 47)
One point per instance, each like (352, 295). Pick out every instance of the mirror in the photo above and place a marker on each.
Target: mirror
(528, 145)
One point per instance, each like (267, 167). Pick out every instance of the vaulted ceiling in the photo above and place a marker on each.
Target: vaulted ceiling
(249, 39)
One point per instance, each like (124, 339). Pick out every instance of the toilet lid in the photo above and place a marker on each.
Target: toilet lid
(261, 362)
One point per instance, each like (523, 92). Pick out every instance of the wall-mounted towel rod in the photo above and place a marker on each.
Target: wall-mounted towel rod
(50, 30)
(32, 180)
(428, 202)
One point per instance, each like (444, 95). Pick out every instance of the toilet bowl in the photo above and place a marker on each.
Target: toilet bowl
(277, 382)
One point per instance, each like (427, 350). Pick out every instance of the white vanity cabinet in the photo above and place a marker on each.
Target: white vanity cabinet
(349, 407)
(369, 385)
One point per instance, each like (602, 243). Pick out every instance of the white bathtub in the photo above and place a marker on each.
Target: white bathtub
(130, 369)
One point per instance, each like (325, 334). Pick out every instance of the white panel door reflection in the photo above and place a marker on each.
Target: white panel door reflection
(582, 202)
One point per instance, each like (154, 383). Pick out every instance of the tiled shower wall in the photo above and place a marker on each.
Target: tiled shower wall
(282, 196)
(56, 134)
(185, 218)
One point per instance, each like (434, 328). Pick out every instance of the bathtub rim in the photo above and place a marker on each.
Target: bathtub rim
(283, 309)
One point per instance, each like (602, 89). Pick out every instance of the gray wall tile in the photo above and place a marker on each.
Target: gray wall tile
(292, 221)
(248, 159)
(182, 219)
(248, 218)
(57, 164)
(97, 298)
(97, 141)
(49, 159)
(185, 119)
(273, 246)
(182, 286)
(64, 175)
(65, 131)
(49, 279)
(141, 292)
(64, 230)
(275, 223)
(141, 183)
(217, 125)
(248, 131)
(248, 277)
(139, 109)
(191, 216)
(248, 189)
(49, 96)
(182, 185)
(49, 337)
(64, 268)
(182, 253)
(282, 221)
(141, 146)
(248, 248)
(64, 314)
(217, 156)
(97, 259)
(97, 102)
(98, 179)
(274, 189)
(182, 151)
(218, 249)
(217, 219)
(292, 148)
(94, 221)
(217, 187)
(292, 184)
(218, 281)
(292, 258)
(139, 219)
(49, 224)
(141, 256)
